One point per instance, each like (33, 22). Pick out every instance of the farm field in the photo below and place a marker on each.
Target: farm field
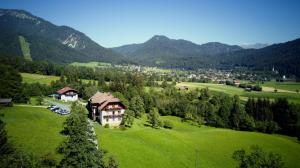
(185, 145)
(290, 86)
(231, 90)
(92, 64)
(43, 79)
(35, 130)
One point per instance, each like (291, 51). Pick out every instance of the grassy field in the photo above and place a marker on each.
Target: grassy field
(291, 86)
(34, 129)
(25, 47)
(38, 130)
(42, 79)
(185, 144)
(231, 90)
(92, 64)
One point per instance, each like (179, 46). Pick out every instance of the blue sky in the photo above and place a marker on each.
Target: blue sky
(117, 22)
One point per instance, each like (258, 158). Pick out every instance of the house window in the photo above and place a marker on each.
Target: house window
(113, 112)
(119, 111)
(119, 118)
(107, 119)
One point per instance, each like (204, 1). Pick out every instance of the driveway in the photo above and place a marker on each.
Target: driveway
(60, 105)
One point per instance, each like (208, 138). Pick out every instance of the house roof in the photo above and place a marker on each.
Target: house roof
(104, 99)
(66, 89)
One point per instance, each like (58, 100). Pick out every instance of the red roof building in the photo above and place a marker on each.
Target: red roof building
(68, 94)
(106, 108)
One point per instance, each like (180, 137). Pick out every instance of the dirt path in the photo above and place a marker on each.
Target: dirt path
(28, 105)
(93, 132)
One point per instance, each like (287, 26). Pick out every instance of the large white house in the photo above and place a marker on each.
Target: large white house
(106, 109)
(67, 94)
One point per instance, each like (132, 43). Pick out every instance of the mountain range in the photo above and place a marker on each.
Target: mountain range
(165, 52)
(60, 44)
(26, 35)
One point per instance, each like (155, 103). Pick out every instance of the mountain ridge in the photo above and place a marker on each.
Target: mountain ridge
(61, 44)
(160, 50)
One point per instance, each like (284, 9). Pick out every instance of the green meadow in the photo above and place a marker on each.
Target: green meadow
(34, 78)
(37, 130)
(32, 129)
(25, 47)
(290, 86)
(43, 79)
(92, 64)
(231, 90)
(186, 145)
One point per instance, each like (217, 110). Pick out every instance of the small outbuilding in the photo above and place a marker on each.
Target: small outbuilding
(183, 88)
(6, 102)
(67, 94)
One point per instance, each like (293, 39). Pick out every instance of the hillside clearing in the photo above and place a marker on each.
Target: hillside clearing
(44, 79)
(25, 47)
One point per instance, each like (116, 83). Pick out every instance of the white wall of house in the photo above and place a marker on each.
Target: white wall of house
(69, 98)
(111, 121)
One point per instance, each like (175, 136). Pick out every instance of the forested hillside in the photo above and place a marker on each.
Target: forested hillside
(165, 52)
(49, 42)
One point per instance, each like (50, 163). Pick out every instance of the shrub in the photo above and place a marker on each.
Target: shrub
(168, 124)
(106, 126)
(122, 127)
(49, 160)
(257, 158)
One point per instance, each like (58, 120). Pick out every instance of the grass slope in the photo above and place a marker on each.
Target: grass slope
(145, 147)
(37, 130)
(92, 64)
(33, 129)
(42, 79)
(25, 48)
(231, 90)
(291, 86)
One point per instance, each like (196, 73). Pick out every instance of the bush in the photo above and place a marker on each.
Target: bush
(168, 124)
(106, 126)
(257, 88)
(122, 127)
(257, 158)
(160, 123)
(49, 160)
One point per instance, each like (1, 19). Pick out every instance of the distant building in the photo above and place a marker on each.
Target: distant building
(67, 94)
(183, 88)
(6, 102)
(237, 82)
(106, 109)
